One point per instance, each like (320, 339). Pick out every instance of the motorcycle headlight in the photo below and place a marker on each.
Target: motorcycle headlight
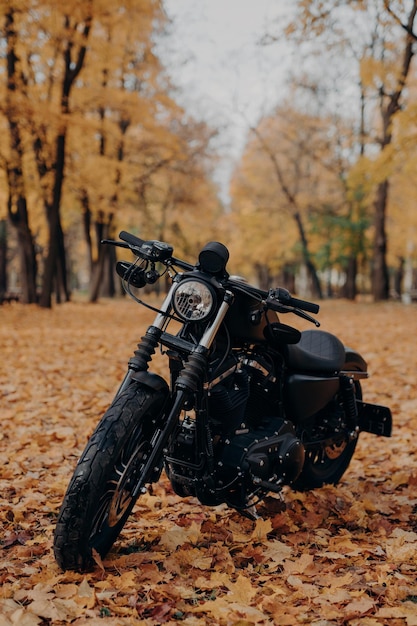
(193, 300)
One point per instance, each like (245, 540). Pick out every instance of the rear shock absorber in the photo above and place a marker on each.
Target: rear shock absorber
(347, 386)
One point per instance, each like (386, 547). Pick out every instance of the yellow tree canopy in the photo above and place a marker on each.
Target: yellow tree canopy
(289, 172)
(130, 149)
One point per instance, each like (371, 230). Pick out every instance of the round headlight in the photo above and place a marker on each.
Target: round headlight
(193, 300)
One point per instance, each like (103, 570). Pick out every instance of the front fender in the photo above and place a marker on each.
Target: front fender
(151, 380)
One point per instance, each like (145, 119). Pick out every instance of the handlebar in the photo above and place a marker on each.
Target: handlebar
(132, 240)
(278, 299)
(154, 251)
(150, 250)
(281, 297)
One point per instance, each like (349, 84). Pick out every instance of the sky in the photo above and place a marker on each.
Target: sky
(225, 76)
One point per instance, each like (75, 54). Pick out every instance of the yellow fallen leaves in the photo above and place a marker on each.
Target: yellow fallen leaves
(178, 535)
(401, 546)
(344, 555)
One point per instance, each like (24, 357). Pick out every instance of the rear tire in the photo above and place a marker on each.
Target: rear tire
(319, 469)
(99, 497)
(325, 465)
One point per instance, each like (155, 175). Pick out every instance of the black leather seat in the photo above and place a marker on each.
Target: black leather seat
(317, 351)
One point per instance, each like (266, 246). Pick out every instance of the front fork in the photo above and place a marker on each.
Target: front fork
(148, 344)
(188, 382)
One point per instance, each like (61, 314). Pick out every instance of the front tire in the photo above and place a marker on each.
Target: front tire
(99, 497)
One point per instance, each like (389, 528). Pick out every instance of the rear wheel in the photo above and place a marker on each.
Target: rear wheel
(99, 498)
(325, 463)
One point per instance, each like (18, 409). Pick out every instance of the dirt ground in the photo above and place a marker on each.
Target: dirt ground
(344, 554)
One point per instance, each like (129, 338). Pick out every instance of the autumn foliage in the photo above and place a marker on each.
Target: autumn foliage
(337, 555)
(95, 140)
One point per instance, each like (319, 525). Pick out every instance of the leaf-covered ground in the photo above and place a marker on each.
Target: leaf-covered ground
(338, 555)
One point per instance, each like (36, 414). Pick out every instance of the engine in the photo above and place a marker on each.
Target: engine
(268, 457)
(253, 448)
(249, 390)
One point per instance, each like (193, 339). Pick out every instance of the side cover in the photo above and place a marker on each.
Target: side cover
(308, 394)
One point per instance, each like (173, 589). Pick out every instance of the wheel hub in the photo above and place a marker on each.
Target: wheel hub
(334, 450)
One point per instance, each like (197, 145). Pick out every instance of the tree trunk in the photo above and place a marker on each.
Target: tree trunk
(55, 242)
(17, 203)
(263, 276)
(3, 259)
(311, 268)
(399, 277)
(380, 280)
(17, 209)
(85, 203)
(62, 272)
(349, 290)
(55, 266)
(287, 278)
(28, 263)
(103, 272)
(295, 213)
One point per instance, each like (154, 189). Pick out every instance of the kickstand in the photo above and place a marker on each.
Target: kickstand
(250, 512)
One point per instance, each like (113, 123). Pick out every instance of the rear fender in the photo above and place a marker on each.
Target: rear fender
(355, 365)
(372, 418)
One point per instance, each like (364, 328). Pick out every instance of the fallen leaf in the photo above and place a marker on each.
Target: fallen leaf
(350, 547)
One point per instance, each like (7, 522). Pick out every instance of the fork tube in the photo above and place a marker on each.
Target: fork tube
(208, 337)
(166, 307)
(148, 342)
(160, 439)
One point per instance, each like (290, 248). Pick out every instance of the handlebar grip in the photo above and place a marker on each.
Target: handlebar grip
(304, 305)
(132, 240)
(284, 297)
(150, 250)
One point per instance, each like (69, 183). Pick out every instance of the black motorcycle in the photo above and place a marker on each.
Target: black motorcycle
(252, 404)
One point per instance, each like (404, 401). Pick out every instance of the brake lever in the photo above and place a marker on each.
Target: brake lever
(284, 308)
(119, 244)
(306, 316)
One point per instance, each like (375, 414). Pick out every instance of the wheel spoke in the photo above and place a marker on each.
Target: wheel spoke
(101, 514)
(118, 497)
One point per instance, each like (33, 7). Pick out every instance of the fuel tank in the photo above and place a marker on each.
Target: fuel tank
(246, 322)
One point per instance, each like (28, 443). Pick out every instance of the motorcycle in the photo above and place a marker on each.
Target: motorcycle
(251, 405)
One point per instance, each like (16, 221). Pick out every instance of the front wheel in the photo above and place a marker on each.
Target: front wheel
(100, 498)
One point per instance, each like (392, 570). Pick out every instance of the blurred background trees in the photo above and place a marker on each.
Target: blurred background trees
(94, 141)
